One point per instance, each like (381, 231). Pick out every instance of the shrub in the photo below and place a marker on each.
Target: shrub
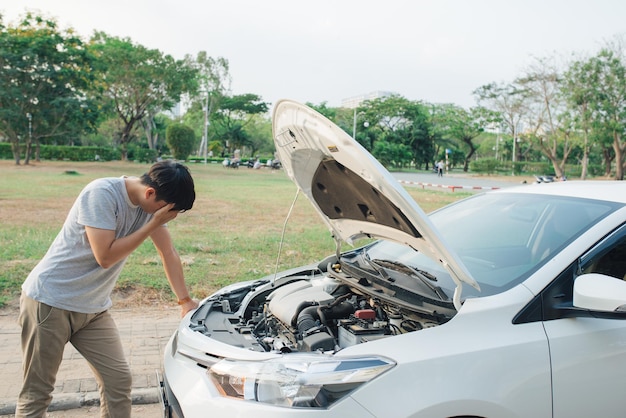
(141, 154)
(181, 140)
(64, 152)
(484, 165)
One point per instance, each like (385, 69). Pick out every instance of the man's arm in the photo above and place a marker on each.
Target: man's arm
(173, 268)
(108, 251)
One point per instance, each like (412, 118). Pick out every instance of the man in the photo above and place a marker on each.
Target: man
(440, 169)
(67, 295)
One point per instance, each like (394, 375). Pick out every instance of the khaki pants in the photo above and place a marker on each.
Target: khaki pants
(45, 332)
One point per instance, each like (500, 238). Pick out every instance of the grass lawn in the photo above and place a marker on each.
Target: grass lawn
(232, 233)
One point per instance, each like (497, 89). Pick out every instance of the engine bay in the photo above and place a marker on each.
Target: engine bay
(315, 309)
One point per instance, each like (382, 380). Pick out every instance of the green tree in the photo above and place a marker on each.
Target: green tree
(322, 108)
(464, 126)
(181, 140)
(548, 124)
(154, 128)
(509, 101)
(397, 120)
(234, 115)
(419, 134)
(45, 76)
(213, 83)
(578, 97)
(139, 82)
(392, 154)
(608, 102)
(260, 135)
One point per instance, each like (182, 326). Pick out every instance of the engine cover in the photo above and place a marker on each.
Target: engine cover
(284, 301)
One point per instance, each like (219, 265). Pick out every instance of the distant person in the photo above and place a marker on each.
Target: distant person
(67, 296)
(440, 169)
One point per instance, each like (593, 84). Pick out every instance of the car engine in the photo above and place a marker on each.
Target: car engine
(310, 311)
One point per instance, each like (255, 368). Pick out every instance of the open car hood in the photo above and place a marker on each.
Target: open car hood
(355, 195)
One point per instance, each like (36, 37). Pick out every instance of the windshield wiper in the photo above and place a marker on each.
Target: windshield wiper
(376, 266)
(413, 270)
(424, 276)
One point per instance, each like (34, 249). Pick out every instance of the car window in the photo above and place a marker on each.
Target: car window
(502, 238)
(609, 257)
(604, 257)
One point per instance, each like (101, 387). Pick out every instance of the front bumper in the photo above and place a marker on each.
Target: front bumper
(169, 403)
(188, 392)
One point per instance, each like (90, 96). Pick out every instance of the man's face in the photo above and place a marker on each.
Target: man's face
(151, 204)
(155, 206)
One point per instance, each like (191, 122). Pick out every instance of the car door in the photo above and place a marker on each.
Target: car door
(588, 355)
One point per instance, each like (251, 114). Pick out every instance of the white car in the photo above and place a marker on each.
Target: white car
(509, 303)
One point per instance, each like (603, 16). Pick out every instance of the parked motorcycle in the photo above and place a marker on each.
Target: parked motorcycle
(544, 179)
(234, 163)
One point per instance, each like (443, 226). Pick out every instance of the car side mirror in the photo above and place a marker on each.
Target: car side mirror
(596, 296)
(599, 293)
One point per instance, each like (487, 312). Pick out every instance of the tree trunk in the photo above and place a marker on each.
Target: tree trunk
(585, 159)
(29, 149)
(468, 156)
(619, 157)
(126, 137)
(15, 147)
(608, 159)
(124, 150)
(37, 150)
(619, 170)
(151, 133)
(585, 164)
(558, 172)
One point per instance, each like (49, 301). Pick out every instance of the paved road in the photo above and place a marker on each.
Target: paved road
(458, 180)
(139, 411)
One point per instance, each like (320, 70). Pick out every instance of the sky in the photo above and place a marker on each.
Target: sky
(436, 51)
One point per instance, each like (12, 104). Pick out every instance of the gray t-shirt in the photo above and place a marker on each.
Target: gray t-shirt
(68, 276)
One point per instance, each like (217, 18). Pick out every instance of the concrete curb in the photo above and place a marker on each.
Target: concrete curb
(63, 402)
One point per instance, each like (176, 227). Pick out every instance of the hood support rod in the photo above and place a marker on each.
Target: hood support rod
(282, 235)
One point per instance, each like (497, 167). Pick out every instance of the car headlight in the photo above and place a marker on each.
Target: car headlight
(302, 381)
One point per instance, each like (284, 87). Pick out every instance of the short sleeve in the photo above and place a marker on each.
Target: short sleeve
(97, 207)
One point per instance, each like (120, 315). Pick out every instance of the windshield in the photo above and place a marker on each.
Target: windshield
(502, 238)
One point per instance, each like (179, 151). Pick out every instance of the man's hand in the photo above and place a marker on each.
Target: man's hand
(189, 305)
(165, 214)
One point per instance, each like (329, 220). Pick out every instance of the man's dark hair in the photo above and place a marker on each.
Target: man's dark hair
(172, 182)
